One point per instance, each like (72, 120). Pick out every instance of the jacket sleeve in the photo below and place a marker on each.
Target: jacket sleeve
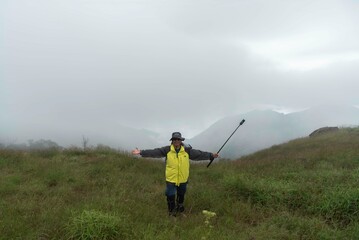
(198, 155)
(155, 153)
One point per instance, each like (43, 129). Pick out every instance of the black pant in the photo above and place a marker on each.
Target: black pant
(171, 190)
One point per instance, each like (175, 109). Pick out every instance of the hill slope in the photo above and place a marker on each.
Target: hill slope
(263, 129)
(304, 189)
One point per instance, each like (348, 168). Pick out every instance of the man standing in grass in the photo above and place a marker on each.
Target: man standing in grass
(177, 168)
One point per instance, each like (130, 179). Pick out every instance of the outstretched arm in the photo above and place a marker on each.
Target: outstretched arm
(154, 153)
(197, 155)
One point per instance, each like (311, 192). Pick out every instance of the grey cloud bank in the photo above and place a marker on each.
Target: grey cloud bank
(84, 67)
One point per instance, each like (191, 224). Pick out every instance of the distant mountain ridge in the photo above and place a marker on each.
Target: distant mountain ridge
(262, 129)
(266, 128)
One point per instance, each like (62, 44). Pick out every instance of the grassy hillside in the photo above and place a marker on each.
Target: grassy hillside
(304, 189)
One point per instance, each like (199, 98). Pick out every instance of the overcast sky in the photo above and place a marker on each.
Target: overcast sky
(169, 65)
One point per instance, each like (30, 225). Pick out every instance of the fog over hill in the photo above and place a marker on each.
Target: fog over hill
(110, 134)
(107, 69)
(263, 129)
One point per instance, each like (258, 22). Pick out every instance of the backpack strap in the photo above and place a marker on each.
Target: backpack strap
(187, 147)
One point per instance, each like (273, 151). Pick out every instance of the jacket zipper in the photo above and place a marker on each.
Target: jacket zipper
(178, 169)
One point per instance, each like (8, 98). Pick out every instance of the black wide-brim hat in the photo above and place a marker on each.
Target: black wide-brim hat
(177, 135)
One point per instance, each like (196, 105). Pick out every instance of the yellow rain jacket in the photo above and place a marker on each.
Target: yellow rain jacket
(177, 163)
(177, 166)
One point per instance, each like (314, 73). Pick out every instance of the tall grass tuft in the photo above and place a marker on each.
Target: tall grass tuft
(92, 224)
(341, 206)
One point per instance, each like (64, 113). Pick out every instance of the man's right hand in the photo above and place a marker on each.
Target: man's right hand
(136, 151)
(215, 155)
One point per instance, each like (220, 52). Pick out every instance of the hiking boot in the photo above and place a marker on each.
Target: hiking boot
(180, 207)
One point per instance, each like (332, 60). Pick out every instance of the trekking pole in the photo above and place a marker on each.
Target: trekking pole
(227, 141)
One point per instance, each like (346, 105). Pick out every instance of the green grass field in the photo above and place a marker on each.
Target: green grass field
(304, 189)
